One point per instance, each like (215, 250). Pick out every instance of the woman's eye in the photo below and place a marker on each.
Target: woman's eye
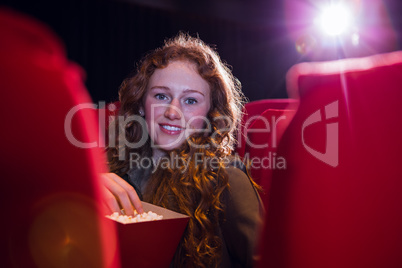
(160, 97)
(191, 101)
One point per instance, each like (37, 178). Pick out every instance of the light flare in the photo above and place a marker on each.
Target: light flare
(335, 19)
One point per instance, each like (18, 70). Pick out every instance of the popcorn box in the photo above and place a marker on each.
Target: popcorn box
(151, 243)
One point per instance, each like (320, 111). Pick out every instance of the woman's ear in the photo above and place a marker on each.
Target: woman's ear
(141, 111)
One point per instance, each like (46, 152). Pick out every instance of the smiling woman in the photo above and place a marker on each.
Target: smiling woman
(188, 105)
(176, 104)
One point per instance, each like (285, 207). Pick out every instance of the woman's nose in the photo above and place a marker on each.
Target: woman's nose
(173, 111)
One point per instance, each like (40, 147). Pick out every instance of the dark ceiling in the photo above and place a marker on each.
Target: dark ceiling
(241, 11)
(107, 37)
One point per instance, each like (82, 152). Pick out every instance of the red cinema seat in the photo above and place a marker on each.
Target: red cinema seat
(253, 110)
(263, 123)
(339, 202)
(50, 159)
(261, 141)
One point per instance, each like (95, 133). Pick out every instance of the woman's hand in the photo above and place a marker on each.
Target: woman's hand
(119, 195)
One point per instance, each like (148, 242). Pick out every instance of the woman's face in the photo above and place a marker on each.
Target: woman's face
(176, 104)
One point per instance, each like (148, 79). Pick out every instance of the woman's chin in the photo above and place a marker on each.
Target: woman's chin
(168, 147)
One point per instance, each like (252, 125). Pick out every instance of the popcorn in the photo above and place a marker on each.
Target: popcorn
(146, 216)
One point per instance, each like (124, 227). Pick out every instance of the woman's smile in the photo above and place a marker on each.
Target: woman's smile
(171, 129)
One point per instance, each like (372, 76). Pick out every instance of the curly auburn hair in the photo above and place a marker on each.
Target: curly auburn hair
(194, 188)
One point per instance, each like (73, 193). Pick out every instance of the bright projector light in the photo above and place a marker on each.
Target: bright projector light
(335, 20)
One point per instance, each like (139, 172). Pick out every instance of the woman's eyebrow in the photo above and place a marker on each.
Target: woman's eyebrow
(184, 91)
(160, 87)
(193, 91)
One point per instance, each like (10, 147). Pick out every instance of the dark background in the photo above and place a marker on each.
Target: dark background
(108, 37)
